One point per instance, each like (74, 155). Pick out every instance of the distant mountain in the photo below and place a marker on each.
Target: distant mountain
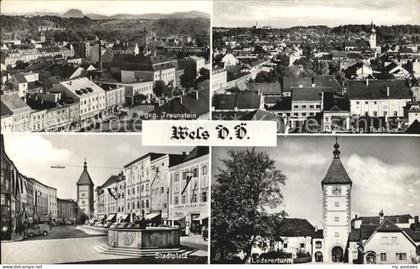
(76, 13)
(158, 16)
(73, 13)
(96, 16)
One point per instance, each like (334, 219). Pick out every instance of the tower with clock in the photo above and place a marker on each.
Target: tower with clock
(336, 188)
(85, 194)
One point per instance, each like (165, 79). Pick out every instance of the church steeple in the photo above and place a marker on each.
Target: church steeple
(336, 151)
(85, 178)
(336, 173)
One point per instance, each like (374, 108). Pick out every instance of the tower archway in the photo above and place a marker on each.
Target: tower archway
(337, 254)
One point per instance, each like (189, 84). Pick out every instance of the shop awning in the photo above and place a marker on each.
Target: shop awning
(125, 217)
(152, 216)
(111, 217)
(177, 218)
(101, 217)
(202, 217)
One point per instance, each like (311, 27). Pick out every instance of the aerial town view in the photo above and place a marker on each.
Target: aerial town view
(78, 204)
(317, 200)
(352, 68)
(100, 68)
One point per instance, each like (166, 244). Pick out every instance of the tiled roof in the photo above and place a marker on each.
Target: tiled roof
(333, 102)
(241, 100)
(414, 128)
(152, 156)
(265, 88)
(307, 94)
(377, 89)
(84, 178)
(387, 226)
(295, 227)
(14, 102)
(376, 219)
(336, 174)
(5, 111)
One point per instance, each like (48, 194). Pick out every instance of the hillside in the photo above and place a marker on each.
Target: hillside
(81, 28)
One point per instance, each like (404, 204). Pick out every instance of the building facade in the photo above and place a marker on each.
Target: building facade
(189, 191)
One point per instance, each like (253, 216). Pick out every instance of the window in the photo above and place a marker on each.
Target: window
(128, 206)
(383, 257)
(142, 204)
(295, 106)
(336, 234)
(176, 200)
(394, 240)
(204, 196)
(336, 204)
(311, 106)
(395, 113)
(138, 204)
(374, 102)
(303, 114)
(183, 199)
(357, 102)
(194, 198)
(336, 219)
(375, 113)
(401, 256)
(366, 102)
(318, 244)
(285, 245)
(205, 170)
(303, 106)
(128, 191)
(195, 172)
(147, 203)
(162, 189)
(302, 245)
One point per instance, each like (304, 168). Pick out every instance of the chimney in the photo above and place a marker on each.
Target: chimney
(100, 55)
(387, 91)
(381, 216)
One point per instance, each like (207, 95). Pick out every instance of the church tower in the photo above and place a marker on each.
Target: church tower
(85, 194)
(336, 188)
(372, 37)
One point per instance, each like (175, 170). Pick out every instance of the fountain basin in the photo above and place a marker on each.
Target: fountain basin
(149, 238)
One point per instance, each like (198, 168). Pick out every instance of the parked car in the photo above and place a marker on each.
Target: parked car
(107, 225)
(38, 229)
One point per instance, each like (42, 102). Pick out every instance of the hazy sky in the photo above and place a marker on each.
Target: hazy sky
(104, 7)
(106, 154)
(385, 172)
(286, 13)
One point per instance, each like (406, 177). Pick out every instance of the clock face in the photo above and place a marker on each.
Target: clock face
(336, 190)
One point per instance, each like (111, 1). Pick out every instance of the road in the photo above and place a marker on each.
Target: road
(68, 244)
(62, 232)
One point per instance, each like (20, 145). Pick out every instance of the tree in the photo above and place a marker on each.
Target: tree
(245, 188)
(139, 98)
(159, 88)
(204, 74)
(187, 81)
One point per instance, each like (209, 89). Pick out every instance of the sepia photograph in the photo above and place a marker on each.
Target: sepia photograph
(102, 199)
(103, 66)
(323, 66)
(314, 200)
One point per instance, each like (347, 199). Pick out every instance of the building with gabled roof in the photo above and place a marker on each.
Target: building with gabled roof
(375, 98)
